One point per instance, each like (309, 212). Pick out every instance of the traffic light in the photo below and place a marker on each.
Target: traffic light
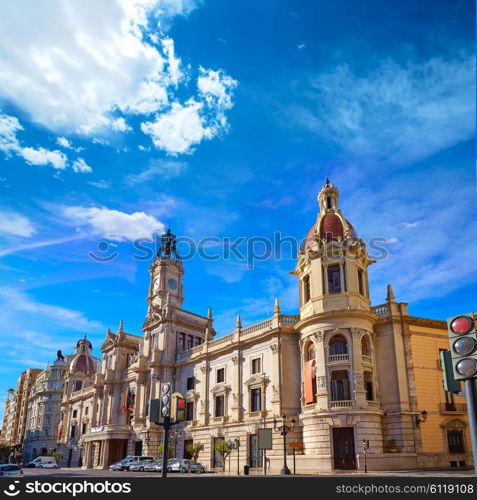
(463, 344)
(165, 401)
(178, 407)
(365, 444)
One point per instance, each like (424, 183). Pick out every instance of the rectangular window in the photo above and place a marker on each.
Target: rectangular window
(334, 281)
(368, 385)
(181, 342)
(220, 375)
(198, 341)
(189, 416)
(455, 440)
(75, 413)
(190, 383)
(83, 428)
(86, 410)
(256, 399)
(219, 406)
(189, 342)
(340, 386)
(360, 282)
(78, 385)
(73, 430)
(306, 289)
(256, 365)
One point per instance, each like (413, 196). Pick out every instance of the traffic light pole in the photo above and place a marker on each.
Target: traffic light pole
(471, 396)
(166, 425)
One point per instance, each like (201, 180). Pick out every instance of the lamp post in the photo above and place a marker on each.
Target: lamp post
(176, 435)
(284, 429)
(237, 447)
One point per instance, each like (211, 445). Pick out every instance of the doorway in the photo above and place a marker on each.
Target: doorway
(343, 448)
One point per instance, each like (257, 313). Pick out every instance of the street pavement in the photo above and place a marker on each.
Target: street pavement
(77, 472)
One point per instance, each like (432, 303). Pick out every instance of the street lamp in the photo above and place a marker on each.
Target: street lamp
(421, 418)
(284, 429)
(237, 447)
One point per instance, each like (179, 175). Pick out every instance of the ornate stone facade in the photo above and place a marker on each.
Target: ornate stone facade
(346, 372)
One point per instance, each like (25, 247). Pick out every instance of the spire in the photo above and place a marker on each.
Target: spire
(390, 295)
(238, 323)
(209, 313)
(276, 307)
(121, 326)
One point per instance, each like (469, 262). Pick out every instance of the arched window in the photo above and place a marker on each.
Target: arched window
(309, 378)
(338, 345)
(365, 346)
(310, 352)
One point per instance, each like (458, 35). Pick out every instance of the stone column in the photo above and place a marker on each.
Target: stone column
(104, 458)
(357, 382)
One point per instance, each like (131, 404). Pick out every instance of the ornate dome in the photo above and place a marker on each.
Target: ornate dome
(83, 363)
(331, 228)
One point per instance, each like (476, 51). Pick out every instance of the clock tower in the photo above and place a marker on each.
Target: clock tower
(165, 288)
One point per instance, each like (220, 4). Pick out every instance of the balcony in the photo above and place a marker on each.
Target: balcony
(338, 358)
(453, 408)
(341, 404)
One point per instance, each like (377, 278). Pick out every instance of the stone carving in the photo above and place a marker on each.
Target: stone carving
(274, 348)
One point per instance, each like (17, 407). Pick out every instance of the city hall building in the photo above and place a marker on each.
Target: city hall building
(341, 371)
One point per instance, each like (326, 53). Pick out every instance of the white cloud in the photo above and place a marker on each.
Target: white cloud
(184, 126)
(395, 113)
(80, 165)
(9, 143)
(16, 225)
(101, 184)
(157, 168)
(42, 156)
(82, 67)
(301, 46)
(18, 301)
(112, 224)
(64, 142)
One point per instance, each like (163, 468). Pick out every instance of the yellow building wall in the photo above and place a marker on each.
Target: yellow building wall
(429, 386)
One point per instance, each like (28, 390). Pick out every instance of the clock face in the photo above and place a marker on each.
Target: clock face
(172, 283)
(155, 285)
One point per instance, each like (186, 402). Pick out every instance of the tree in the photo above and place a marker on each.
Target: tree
(194, 450)
(170, 449)
(224, 450)
(58, 455)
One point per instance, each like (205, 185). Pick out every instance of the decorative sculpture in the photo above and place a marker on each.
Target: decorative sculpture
(60, 356)
(168, 248)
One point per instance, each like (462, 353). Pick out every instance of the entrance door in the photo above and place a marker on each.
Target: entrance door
(255, 458)
(343, 448)
(138, 448)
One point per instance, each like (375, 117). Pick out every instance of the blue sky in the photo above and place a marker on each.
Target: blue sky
(222, 119)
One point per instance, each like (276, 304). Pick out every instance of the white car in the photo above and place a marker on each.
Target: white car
(139, 466)
(10, 470)
(43, 463)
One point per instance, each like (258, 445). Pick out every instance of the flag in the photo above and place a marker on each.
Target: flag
(124, 401)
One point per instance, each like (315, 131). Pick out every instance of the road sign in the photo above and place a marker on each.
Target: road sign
(265, 439)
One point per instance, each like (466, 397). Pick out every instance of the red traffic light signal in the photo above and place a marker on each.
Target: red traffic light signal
(462, 324)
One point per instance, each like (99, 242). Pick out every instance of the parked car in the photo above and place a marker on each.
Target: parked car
(10, 470)
(178, 465)
(155, 466)
(196, 467)
(43, 463)
(139, 466)
(125, 462)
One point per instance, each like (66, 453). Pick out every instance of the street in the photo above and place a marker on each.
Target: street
(77, 472)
